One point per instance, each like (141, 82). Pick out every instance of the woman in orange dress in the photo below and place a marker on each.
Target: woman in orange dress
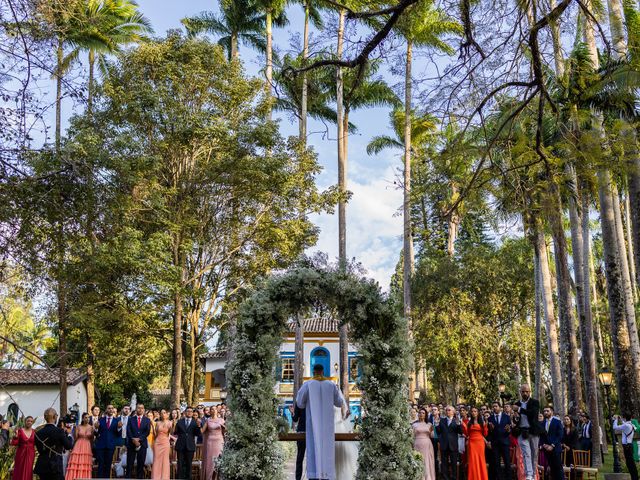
(26, 452)
(476, 431)
(213, 431)
(80, 463)
(161, 469)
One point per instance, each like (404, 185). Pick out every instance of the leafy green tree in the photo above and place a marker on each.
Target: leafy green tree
(227, 197)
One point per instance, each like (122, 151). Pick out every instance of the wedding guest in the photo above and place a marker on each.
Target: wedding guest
(186, 430)
(108, 433)
(500, 441)
(152, 431)
(569, 440)
(4, 432)
(433, 417)
(51, 441)
(586, 437)
(476, 430)
(175, 416)
(622, 424)
(80, 463)
(422, 431)
(95, 415)
(138, 428)
(24, 440)
(413, 414)
(125, 414)
(213, 431)
(448, 429)
(527, 410)
(207, 412)
(300, 417)
(161, 468)
(552, 443)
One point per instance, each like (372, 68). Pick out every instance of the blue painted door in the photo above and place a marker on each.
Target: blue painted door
(321, 355)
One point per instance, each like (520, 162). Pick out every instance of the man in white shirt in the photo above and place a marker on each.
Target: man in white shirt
(622, 424)
(126, 413)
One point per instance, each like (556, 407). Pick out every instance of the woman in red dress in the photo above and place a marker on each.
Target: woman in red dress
(25, 440)
(81, 458)
(476, 431)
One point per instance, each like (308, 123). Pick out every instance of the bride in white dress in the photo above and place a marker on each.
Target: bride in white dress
(346, 452)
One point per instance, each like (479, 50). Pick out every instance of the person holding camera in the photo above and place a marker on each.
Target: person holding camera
(622, 424)
(51, 441)
(528, 430)
(4, 432)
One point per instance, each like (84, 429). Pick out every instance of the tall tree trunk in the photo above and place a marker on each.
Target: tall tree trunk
(234, 52)
(342, 206)
(91, 376)
(298, 372)
(539, 389)
(91, 83)
(269, 66)
(305, 86)
(557, 383)
(626, 372)
(629, 302)
(408, 240)
(579, 219)
(60, 58)
(62, 343)
(453, 222)
(568, 335)
(178, 318)
(629, 242)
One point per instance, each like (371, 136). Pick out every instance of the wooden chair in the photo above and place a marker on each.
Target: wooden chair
(565, 470)
(196, 464)
(173, 459)
(582, 465)
(117, 455)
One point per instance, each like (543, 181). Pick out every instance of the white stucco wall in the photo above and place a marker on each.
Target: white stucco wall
(34, 399)
(330, 343)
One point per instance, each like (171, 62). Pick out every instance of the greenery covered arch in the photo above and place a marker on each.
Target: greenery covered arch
(252, 451)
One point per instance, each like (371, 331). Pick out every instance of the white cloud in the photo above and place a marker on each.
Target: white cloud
(374, 230)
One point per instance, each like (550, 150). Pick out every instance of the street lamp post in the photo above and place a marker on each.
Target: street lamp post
(606, 378)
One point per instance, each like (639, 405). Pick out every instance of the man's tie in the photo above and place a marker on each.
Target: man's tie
(547, 426)
(108, 422)
(139, 421)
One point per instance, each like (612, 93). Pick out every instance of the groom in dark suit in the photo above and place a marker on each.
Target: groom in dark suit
(138, 429)
(186, 430)
(108, 432)
(499, 433)
(448, 430)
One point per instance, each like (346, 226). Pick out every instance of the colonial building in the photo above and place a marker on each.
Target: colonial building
(321, 346)
(29, 391)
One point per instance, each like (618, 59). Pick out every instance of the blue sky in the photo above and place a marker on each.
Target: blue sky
(374, 228)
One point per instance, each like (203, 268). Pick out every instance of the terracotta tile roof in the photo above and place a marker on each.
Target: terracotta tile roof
(317, 325)
(39, 376)
(217, 353)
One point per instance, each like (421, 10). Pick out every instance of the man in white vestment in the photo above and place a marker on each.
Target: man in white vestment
(318, 396)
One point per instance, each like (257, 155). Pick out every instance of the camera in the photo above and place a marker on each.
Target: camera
(70, 419)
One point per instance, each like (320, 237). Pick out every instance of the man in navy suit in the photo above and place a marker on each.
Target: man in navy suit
(187, 429)
(448, 429)
(108, 433)
(552, 443)
(138, 429)
(499, 433)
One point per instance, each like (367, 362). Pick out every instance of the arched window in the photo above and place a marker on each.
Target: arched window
(320, 355)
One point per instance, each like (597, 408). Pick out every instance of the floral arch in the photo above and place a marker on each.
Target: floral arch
(252, 451)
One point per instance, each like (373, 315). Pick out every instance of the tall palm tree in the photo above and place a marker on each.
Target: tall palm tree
(423, 25)
(238, 23)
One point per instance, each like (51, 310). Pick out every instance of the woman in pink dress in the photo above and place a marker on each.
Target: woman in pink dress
(213, 431)
(26, 452)
(80, 463)
(422, 432)
(161, 468)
